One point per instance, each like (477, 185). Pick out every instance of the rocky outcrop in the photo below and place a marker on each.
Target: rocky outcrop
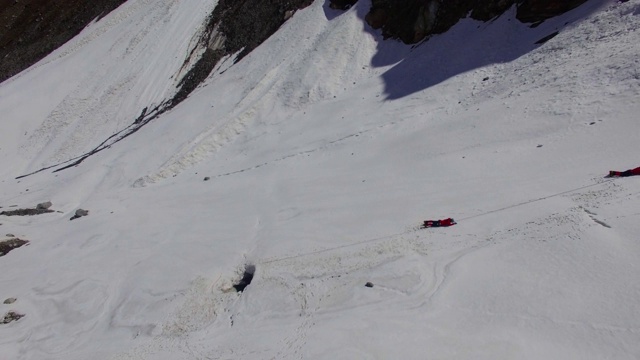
(31, 29)
(11, 316)
(532, 11)
(7, 245)
(236, 27)
(412, 21)
(44, 206)
(79, 213)
(41, 208)
(342, 4)
(25, 212)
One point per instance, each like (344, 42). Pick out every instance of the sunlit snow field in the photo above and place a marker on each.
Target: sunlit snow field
(326, 148)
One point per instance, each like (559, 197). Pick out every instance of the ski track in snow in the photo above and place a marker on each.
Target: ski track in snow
(324, 283)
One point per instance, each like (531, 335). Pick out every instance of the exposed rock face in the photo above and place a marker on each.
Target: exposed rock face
(233, 26)
(44, 205)
(413, 20)
(31, 29)
(11, 244)
(531, 11)
(79, 213)
(25, 212)
(342, 4)
(10, 317)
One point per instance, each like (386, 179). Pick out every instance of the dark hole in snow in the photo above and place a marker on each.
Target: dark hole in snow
(368, 284)
(246, 278)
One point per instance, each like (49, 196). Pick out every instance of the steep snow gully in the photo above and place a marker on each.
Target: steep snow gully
(323, 150)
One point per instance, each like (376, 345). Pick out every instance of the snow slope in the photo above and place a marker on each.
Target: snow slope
(326, 147)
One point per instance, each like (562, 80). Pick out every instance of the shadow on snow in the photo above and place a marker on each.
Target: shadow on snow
(467, 46)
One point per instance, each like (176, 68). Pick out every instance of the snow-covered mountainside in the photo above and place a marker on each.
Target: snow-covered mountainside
(324, 149)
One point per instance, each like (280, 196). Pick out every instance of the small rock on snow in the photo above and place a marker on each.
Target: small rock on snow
(44, 205)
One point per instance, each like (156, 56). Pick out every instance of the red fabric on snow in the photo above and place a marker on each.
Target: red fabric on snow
(630, 172)
(447, 222)
(439, 223)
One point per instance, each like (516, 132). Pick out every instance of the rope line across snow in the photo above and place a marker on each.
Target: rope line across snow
(535, 200)
(415, 230)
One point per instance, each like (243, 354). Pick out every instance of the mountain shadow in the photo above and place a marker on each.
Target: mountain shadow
(468, 45)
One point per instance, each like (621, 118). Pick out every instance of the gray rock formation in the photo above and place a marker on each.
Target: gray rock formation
(25, 212)
(44, 205)
(11, 244)
(11, 316)
(412, 21)
(79, 213)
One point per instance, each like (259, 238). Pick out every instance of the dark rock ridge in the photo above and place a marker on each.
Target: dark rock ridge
(10, 317)
(532, 11)
(31, 29)
(11, 244)
(41, 208)
(236, 26)
(25, 212)
(412, 21)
